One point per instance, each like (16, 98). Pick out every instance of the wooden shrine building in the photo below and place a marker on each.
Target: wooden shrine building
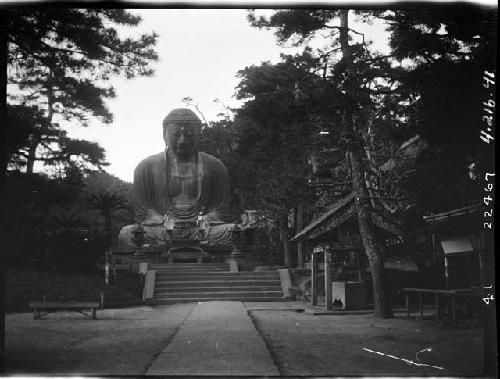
(335, 235)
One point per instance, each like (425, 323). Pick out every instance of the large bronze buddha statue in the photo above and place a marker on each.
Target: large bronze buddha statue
(180, 192)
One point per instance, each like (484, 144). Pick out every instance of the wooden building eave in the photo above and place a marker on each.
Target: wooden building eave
(338, 214)
(452, 214)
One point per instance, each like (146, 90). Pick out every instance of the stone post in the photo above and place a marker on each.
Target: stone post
(314, 279)
(328, 279)
(236, 239)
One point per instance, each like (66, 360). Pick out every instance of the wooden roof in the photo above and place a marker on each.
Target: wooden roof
(446, 216)
(337, 214)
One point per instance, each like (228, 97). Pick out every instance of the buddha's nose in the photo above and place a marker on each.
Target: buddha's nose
(182, 139)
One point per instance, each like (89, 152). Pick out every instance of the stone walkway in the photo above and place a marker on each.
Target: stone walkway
(218, 338)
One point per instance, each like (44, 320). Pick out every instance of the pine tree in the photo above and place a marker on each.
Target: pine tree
(60, 61)
(353, 78)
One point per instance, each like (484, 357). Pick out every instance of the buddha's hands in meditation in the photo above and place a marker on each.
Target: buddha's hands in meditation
(211, 216)
(153, 218)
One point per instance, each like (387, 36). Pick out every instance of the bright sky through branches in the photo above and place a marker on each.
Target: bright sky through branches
(200, 50)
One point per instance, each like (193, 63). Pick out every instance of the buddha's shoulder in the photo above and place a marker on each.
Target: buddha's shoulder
(212, 162)
(152, 160)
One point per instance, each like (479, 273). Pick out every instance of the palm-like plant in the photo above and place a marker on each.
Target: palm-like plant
(107, 203)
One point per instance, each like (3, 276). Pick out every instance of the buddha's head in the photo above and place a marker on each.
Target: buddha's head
(181, 130)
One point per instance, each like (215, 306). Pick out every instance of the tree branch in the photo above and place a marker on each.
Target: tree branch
(85, 54)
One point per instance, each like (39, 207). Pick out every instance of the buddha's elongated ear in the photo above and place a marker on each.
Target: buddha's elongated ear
(165, 134)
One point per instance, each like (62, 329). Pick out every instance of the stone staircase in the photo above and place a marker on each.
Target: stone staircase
(187, 282)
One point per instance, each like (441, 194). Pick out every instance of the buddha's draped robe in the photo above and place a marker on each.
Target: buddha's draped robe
(154, 178)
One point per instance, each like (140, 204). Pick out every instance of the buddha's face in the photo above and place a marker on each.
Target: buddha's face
(182, 139)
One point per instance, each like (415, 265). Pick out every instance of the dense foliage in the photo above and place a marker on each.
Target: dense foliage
(60, 61)
(450, 48)
(58, 223)
(428, 89)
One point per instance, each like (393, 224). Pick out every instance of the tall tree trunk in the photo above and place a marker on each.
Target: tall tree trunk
(300, 244)
(36, 139)
(3, 98)
(344, 34)
(3, 168)
(373, 249)
(287, 248)
(30, 163)
(108, 228)
(107, 222)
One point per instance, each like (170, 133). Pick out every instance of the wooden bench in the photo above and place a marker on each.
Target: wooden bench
(451, 294)
(38, 306)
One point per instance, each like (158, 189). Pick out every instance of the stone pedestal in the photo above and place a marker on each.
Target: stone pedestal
(185, 250)
(351, 294)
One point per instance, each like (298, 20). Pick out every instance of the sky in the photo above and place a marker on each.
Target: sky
(201, 51)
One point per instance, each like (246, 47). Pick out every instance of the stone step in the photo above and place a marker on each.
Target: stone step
(169, 270)
(188, 268)
(187, 282)
(167, 291)
(189, 265)
(207, 278)
(220, 295)
(165, 264)
(202, 299)
(221, 264)
(215, 283)
(216, 275)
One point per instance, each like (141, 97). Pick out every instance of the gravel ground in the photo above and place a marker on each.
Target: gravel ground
(120, 342)
(304, 344)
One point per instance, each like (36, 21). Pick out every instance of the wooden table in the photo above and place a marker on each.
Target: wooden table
(451, 294)
(38, 306)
